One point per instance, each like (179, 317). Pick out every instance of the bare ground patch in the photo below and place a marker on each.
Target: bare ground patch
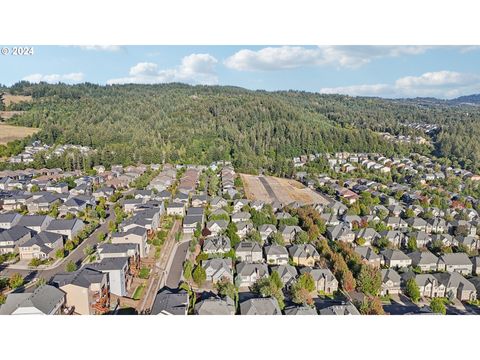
(10, 133)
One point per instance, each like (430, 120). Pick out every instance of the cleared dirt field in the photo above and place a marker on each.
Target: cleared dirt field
(10, 133)
(269, 189)
(15, 99)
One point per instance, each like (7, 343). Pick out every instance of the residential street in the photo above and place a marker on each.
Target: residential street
(174, 273)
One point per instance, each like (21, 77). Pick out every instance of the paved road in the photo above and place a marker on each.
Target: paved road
(175, 272)
(269, 189)
(76, 255)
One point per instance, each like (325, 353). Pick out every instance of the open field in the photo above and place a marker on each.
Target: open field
(286, 191)
(10, 133)
(15, 99)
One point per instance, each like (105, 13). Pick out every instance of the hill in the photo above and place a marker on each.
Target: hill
(254, 129)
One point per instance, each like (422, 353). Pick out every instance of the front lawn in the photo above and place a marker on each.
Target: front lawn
(137, 295)
(144, 273)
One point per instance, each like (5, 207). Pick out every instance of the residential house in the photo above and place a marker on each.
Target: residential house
(41, 246)
(260, 306)
(244, 228)
(341, 232)
(290, 232)
(44, 300)
(9, 220)
(118, 273)
(424, 260)
(13, 238)
(136, 235)
(241, 216)
(304, 254)
(36, 223)
(266, 231)
(390, 282)
(218, 270)
(394, 258)
(457, 286)
(215, 305)
(369, 256)
(249, 273)
(340, 309)
(300, 310)
(87, 290)
(216, 227)
(456, 262)
(249, 252)
(176, 209)
(170, 302)
(325, 282)
(276, 255)
(67, 228)
(216, 245)
(287, 272)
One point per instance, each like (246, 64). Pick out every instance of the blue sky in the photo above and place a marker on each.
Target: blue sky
(387, 71)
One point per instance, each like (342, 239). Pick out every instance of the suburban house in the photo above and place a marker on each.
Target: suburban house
(391, 281)
(290, 232)
(218, 202)
(72, 206)
(340, 309)
(276, 255)
(341, 232)
(104, 192)
(170, 302)
(218, 269)
(216, 226)
(250, 252)
(36, 223)
(118, 273)
(300, 310)
(241, 216)
(304, 254)
(249, 273)
(395, 258)
(424, 260)
(457, 286)
(44, 300)
(42, 246)
(288, 273)
(244, 228)
(136, 235)
(191, 222)
(325, 282)
(260, 306)
(67, 228)
(430, 286)
(458, 262)
(215, 305)
(216, 245)
(266, 230)
(87, 290)
(12, 238)
(369, 256)
(8, 220)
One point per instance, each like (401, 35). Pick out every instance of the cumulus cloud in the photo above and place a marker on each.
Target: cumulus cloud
(288, 57)
(194, 69)
(110, 48)
(70, 78)
(442, 84)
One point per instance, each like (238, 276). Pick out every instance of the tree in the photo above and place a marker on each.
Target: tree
(16, 280)
(187, 270)
(409, 213)
(301, 238)
(412, 243)
(268, 287)
(438, 306)
(2, 299)
(101, 236)
(40, 282)
(369, 280)
(199, 275)
(35, 262)
(371, 306)
(277, 238)
(306, 282)
(60, 253)
(412, 290)
(226, 288)
(360, 241)
(89, 250)
(71, 266)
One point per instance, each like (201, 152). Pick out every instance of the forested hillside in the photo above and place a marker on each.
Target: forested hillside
(186, 124)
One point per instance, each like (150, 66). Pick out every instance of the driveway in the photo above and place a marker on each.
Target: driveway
(174, 273)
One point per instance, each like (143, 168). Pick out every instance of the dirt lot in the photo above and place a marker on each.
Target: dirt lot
(14, 99)
(269, 188)
(10, 133)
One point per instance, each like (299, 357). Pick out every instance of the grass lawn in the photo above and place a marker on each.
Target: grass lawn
(138, 292)
(10, 133)
(144, 273)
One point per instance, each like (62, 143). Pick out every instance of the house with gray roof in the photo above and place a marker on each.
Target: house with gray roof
(67, 228)
(266, 231)
(8, 220)
(248, 251)
(325, 281)
(216, 245)
(118, 273)
(276, 255)
(458, 262)
(41, 246)
(12, 238)
(215, 305)
(289, 232)
(136, 235)
(304, 254)
(341, 232)
(287, 272)
(369, 256)
(260, 306)
(218, 269)
(249, 273)
(368, 234)
(429, 285)
(44, 300)
(216, 226)
(394, 258)
(391, 281)
(457, 286)
(340, 309)
(300, 310)
(424, 260)
(170, 302)
(36, 223)
(396, 223)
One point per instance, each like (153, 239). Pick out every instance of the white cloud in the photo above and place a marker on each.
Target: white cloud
(194, 69)
(441, 84)
(110, 48)
(70, 78)
(288, 57)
